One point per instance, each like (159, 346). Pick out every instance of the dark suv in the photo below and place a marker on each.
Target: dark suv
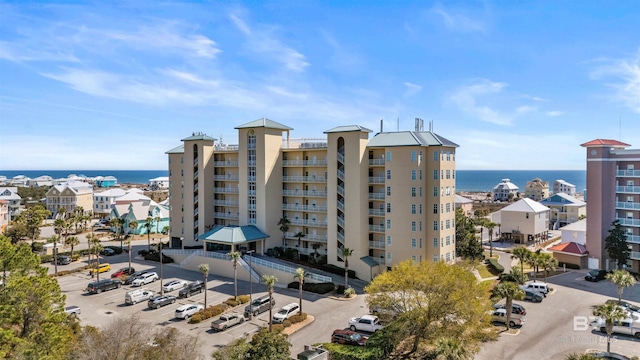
(160, 300)
(595, 275)
(196, 287)
(103, 285)
(64, 259)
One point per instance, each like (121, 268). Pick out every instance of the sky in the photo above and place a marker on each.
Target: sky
(519, 85)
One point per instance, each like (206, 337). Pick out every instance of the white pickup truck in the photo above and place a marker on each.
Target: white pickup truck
(369, 323)
(626, 327)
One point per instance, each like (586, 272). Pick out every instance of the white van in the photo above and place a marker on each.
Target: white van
(540, 287)
(135, 296)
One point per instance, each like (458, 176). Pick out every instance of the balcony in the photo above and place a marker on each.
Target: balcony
(627, 205)
(340, 205)
(376, 162)
(628, 189)
(376, 212)
(317, 179)
(307, 193)
(635, 255)
(227, 177)
(251, 221)
(376, 196)
(227, 215)
(341, 175)
(380, 261)
(340, 221)
(628, 222)
(309, 251)
(304, 162)
(376, 179)
(376, 228)
(229, 163)
(316, 208)
(227, 190)
(307, 222)
(340, 190)
(309, 237)
(633, 239)
(225, 202)
(340, 157)
(341, 238)
(628, 173)
(376, 244)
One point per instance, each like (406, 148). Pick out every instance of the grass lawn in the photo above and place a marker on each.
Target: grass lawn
(483, 271)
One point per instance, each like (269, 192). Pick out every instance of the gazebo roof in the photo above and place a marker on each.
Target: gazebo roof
(233, 234)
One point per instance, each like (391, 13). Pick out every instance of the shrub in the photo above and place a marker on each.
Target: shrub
(569, 266)
(337, 270)
(232, 302)
(349, 292)
(75, 257)
(348, 352)
(294, 319)
(319, 288)
(196, 318)
(37, 247)
(340, 289)
(243, 299)
(494, 267)
(286, 323)
(155, 256)
(294, 285)
(46, 258)
(117, 249)
(277, 327)
(143, 252)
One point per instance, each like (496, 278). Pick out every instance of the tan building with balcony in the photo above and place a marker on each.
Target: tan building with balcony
(69, 197)
(565, 209)
(389, 198)
(536, 189)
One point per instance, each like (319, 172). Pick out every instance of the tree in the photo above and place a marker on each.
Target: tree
(236, 350)
(96, 248)
(467, 245)
(72, 241)
(157, 220)
(616, 244)
(300, 275)
(346, 252)
(33, 218)
(490, 226)
(433, 300)
(147, 225)
(284, 227)
(548, 264)
(204, 268)
(268, 345)
(235, 258)
(452, 349)
(270, 281)
(315, 247)
(622, 279)
(299, 235)
(522, 254)
(610, 313)
(55, 239)
(507, 290)
(17, 231)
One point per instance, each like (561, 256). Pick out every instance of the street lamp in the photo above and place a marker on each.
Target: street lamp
(161, 277)
(250, 285)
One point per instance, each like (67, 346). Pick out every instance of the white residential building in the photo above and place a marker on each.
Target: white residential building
(503, 189)
(159, 183)
(10, 195)
(104, 201)
(561, 186)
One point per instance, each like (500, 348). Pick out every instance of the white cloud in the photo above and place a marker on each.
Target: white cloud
(626, 83)
(412, 89)
(458, 22)
(554, 113)
(240, 24)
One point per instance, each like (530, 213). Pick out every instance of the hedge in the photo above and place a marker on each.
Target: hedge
(155, 256)
(117, 249)
(569, 266)
(318, 288)
(348, 352)
(495, 267)
(218, 309)
(337, 270)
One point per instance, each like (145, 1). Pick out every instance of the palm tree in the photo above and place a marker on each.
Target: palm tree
(72, 241)
(300, 275)
(128, 250)
(205, 271)
(452, 349)
(576, 356)
(508, 290)
(611, 313)
(62, 211)
(490, 226)
(622, 279)
(55, 239)
(315, 247)
(299, 235)
(284, 227)
(521, 253)
(536, 260)
(157, 220)
(133, 225)
(270, 281)
(235, 258)
(549, 263)
(91, 238)
(148, 226)
(346, 252)
(96, 248)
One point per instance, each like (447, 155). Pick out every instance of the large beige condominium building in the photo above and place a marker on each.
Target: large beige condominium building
(389, 198)
(613, 190)
(69, 197)
(536, 189)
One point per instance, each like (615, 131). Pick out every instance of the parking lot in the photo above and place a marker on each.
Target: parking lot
(100, 309)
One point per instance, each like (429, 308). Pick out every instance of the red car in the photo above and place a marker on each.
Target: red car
(123, 271)
(348, 337)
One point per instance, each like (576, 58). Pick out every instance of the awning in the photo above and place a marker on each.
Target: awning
(369, 261)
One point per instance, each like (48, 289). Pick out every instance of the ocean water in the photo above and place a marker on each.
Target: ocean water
(467, 180)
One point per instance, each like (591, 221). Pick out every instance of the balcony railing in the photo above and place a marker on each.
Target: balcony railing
(634, 239)
(227, 190)
(627, 205)
(232, 163)
(340, 221)
(308, 193)
(629, 222)
(635, 255)
(340, 157)
(377, 228)
(340, 175)
(340, 190)
(376, 196)
(318, 179)
(310, 237)
(628, 189)
(227, 177)
(316, 208)
(225, 202)
(628, 173)
(380, 261)
(309, 251)
(340, 238)
(308, 222)
(304, 162)
(376, 179)
(227, 215)
(376, 162)
(341, 205)
(376, 212)
(376, 244)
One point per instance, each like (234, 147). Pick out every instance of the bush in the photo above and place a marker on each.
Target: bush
(349, 292)
(143, 252)
(337, 270)
(494, 267)
(155, 256)
(75, 257)
(277, 327)
(46, 258)
(195, 319)
(243, 299)
(210, 312)
(294, 319)
(117, 249)
(37, 247)
(319, 288)
(286, 323)
(348, 352)
(231, 302)
(569, 266)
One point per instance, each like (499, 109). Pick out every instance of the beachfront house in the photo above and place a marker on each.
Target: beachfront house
(105, 181)
(465, 204)
(524, 221)
(139, 211)
(104, 201)
(505, 191)
(4, 215)
(565, 209)
(10, 195)
(69, 197)
(159, 183)
(561, 186)
(536, 189)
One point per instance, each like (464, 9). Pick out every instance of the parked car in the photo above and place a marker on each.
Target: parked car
(196, 287)
(500, 316)
(108, 252)
(134, 276)
(515, 308)
(103, 285)
(595, 275)
(226, 321)
(286, 312)
(124, 271)
(533, 296)
(540, 287)
(72, 310)
(369, 323)
(64, 260)
(626, 327)
(160, 301)
(626, 305)
(348, 337)
(145, 279)
(259, 305)
(104, 267)
(174, 285)
(186, 311)
(135, 296)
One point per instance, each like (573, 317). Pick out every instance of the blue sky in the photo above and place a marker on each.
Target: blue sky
(113, 85)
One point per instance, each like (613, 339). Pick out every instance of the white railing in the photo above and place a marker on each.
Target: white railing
(310, 237)
(289, 269)
(340, 221)
(304, 179)
(376, 179)
(376, 244)
(227, 215)
(340, 190)
(635, 239)
(376, 212)
(226, 202)
(628, 189)
(309, 251)
(340, 174)
(246, 266)
(627, 172)
(377, 228)
(376, 196)
(340, 157)
(320, 208)
(226, 163)
(308, 222)
(628, 205)
(310, 193)
(228, 190)
(376, 162)
(304, 162)
(226, 177)
(629, 222)
(340, 237)
(635, 255)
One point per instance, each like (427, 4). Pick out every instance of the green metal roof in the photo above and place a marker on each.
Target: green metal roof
(199, 136)
(233, 234)
(409, 138)
(176, 150)
(348, 128)
(371, 262)
(264, 122)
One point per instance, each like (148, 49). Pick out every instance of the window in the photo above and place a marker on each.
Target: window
(435, 156)
(448, 240)
(448, 159)
(389, 256)
(413, 257)
(435, 208)
(435, 191)
(448, 222)
(448, 174)
(414, 156)
(388, 207)
(435, 258)
(388, 223)
(448, 191)
(420, 192)
(435, 174)
(388, 190)
(413, 208)
(389, 240)
(448, 207)
(629, 182)
(413, 192)
(414, 243)
(420, 175)
(420, 211)
(527, 215)
(441, 174)
(413, 174)
(413, 226)
(420, 243)
(388, 174)
(435, 242)
(388, 156)
(435, 225)
(448, 257)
